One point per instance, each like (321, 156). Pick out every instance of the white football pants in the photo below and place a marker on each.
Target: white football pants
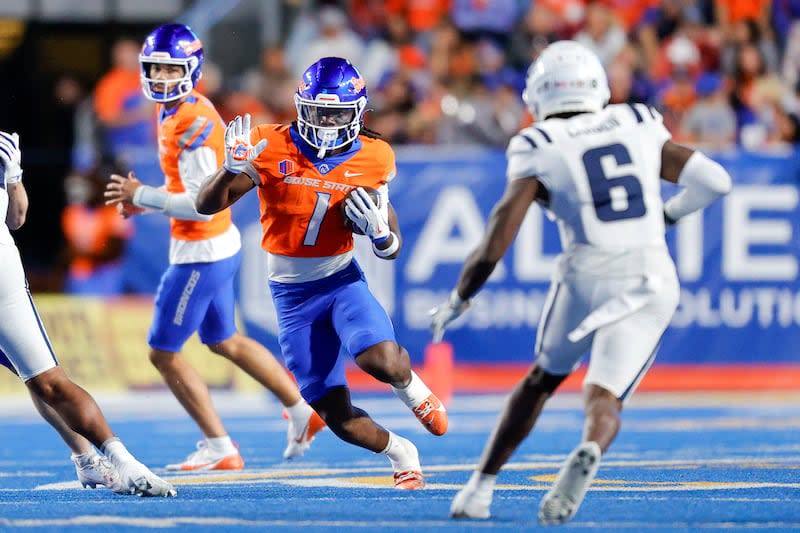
(23, 340)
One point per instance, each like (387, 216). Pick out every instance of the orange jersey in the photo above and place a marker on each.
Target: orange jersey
(301, 214)
(190, 125)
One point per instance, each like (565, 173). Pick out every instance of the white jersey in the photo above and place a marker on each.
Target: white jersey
(601, 171)
(615, 287)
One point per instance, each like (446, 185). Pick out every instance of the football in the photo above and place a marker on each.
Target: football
(376, 197)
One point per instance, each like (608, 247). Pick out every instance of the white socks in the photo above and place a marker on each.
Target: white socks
(83, 459)
(401, 453)
(415, 393)
(299, 413)
(116, 452)
(221, 445)
(481, 482)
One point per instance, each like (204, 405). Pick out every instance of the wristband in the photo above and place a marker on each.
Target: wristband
(381, 240)
(150, 198)
(386, 252)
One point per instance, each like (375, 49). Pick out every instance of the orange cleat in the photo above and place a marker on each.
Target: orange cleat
(204, 459)
(432, 414)
(409, 480)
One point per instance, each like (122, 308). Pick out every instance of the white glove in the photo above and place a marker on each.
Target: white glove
(367, 216)
(443, 314)
(11, 157)
(239, 153)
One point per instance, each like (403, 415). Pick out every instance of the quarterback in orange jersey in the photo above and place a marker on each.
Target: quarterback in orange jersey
(196, 292)
(310, 176)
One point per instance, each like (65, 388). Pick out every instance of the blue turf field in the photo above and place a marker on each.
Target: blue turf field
(681, 463)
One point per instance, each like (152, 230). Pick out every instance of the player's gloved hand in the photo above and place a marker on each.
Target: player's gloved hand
(443, 314)
(11, 157)
(239, 152)
(359, 207)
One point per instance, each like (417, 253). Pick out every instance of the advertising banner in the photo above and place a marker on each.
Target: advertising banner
(738, 263)
(101, 344)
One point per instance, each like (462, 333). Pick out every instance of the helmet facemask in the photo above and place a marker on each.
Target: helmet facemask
(328, 124)
(167, 90)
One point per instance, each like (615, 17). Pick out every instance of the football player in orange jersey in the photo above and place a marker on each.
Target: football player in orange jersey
(196, 292)
(308, 170)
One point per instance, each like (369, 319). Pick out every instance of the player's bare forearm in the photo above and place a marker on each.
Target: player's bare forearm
(17, 205)
(221, 190)
(504, 223)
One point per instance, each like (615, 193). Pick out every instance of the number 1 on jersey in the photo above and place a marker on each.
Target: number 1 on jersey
(608, 205)
(320, 209)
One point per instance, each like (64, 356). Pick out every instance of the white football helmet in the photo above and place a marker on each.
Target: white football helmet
(566, 77)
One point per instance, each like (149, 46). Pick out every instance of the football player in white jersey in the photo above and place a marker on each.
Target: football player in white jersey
(26, 350)
(595, 169)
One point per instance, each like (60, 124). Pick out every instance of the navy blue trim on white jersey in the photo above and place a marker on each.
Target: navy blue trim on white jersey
(544, 134)
(636, 113)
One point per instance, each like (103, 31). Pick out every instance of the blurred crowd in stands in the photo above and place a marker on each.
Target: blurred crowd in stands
(724, 73)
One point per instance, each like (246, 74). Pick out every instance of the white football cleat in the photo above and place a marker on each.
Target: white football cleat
(299, 438)
(471, 502)
(95, 470)
(561, 503)
(135, 478)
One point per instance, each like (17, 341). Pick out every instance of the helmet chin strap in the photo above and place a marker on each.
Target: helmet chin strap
(328, 138)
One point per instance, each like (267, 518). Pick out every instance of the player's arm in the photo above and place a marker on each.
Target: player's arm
(17, 205)
(221, 190)
(128, 190)
(524, 167)
(504, 223)
(11, 161)
(703, 180)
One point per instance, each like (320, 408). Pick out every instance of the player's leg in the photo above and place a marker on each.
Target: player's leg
(520, 413)
(389, 362)
(218, 331)
(27, 350)
(258, 362)
(368, 335)
(71, 404)
(77, 443)
(556, 357)
(622, 352)
(91, 468)
(354, 425)
(121, 472)
(182, 300)
(313, 352)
